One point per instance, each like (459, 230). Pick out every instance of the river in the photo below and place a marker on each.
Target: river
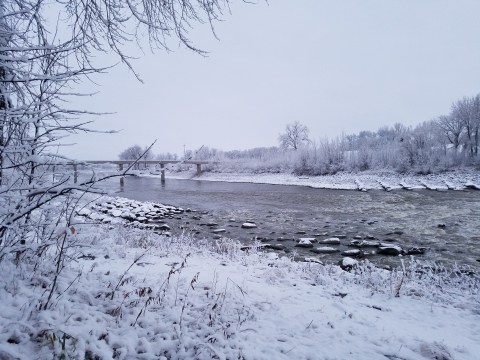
(446, 222)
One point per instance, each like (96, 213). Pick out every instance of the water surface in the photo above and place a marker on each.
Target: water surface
(447, 222)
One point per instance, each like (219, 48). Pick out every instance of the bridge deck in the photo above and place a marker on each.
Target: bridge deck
(162, 164)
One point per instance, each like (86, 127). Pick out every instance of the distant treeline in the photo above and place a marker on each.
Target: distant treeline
(449, 141)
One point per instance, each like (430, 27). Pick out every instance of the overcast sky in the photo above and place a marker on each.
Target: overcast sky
(336, 66)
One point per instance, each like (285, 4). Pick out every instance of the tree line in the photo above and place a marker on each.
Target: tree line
(446, 142)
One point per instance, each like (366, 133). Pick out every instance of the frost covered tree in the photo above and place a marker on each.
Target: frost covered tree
(136, 152)
(295, 136)
(46, 47)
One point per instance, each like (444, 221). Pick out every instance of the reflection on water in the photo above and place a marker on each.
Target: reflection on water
(410, 218)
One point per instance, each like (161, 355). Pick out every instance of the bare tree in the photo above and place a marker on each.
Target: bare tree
(41, 59)
(462, 111)
(452, 128)
(294, 137)
(136, 152)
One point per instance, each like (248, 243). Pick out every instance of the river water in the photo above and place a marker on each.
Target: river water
(446, 222)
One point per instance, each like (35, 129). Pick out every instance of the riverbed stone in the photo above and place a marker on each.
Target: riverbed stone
(416, 250)
(331, 241)
(353, 253)
(347, 263)
(324, 250)
(391, 250)
(277, 247)
(249, 225)
(163, 227)
(364, 243)
(305, 243)
(218, 231)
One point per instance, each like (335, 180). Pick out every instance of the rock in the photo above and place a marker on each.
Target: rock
(364, 243)
(340, 236)
(347, 263)
(441, 226)
(418, 250)
(301, 232)
(395, 232)
(322, 234)
(311, 239)
(128, 216)
(163, 227)
(353, 252)
(275, 246)
(391, 250)
(331, 241)
(261, 239)
(249, 225)
(370, 237)
(305, 243)
(212, 224)
(217, 231)
(472, 186)
(357, 237)
(324, 250)
(281, 238)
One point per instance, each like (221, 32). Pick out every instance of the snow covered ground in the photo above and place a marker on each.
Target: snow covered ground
(457, 180)
(133, 294)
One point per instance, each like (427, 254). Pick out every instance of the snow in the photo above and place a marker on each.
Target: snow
(347, 261)
(363, 181)
(141, 295)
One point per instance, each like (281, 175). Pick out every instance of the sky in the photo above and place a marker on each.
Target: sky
(338, 67)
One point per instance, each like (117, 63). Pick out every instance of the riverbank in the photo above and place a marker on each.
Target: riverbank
(368, 180)
(132, 293)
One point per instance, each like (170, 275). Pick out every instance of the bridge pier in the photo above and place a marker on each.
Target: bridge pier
(75, 173)
(122, 178)
(199, 169)
(162, 172)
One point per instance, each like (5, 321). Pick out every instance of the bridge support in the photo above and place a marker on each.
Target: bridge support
(122, 178)
(162, 173)
(199, 169)
(75, 173)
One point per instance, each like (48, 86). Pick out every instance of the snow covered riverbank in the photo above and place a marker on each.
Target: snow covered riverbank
(135, 294)
(458, 180)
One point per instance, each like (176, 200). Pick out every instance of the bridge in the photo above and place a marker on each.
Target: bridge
(128, 163)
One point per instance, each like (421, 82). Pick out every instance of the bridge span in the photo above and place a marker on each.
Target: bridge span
(126, 163)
